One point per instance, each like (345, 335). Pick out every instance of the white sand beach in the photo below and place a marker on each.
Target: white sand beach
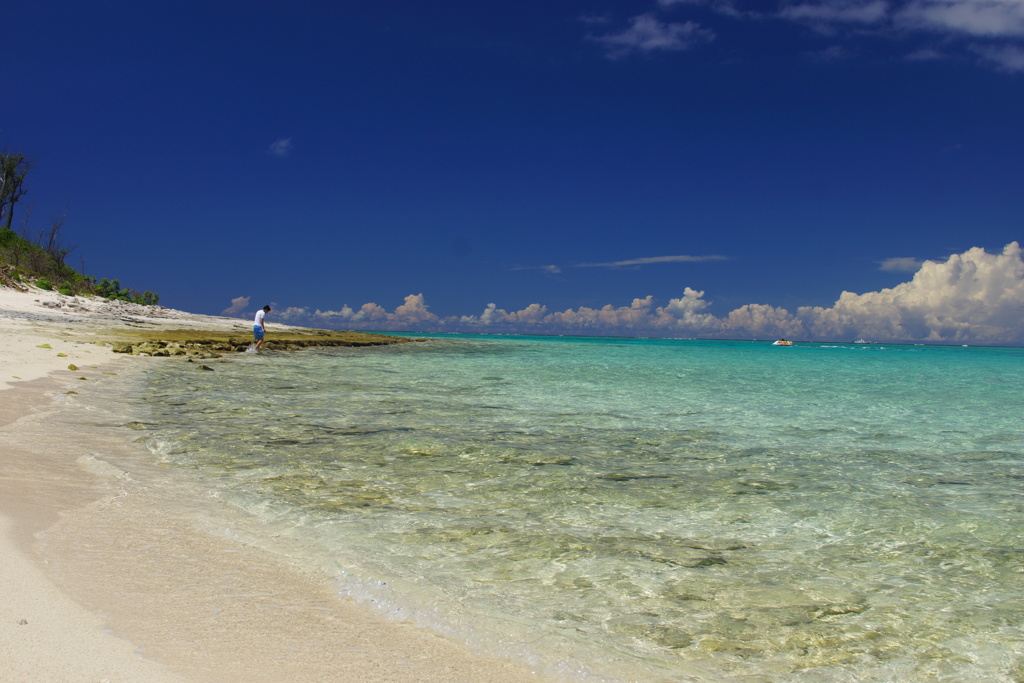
(102, 581)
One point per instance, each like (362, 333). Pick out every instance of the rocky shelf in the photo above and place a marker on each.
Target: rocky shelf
(202, 344)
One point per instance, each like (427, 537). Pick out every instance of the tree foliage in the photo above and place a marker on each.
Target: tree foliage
(111, 289)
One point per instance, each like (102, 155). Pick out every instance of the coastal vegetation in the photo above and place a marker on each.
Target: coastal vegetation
(39, 258)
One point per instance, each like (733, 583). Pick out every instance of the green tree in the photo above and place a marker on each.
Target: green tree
(13, 168)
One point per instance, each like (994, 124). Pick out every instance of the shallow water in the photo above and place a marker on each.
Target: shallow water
(638, 509)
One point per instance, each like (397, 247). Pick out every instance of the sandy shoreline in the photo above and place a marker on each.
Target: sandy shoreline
(106, 577)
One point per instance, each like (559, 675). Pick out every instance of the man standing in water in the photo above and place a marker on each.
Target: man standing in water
(259, 328)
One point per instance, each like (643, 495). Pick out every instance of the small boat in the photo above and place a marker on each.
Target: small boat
(782, 342)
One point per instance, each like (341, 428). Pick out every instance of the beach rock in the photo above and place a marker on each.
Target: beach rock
(213, 348)
(206, 367)
(72, 367)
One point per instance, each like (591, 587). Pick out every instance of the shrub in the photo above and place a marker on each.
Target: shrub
(65, 290)
(43, 283)
(108, 289)
(111, 289)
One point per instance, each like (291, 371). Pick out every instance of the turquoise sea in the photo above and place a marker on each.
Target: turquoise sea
(623, 509)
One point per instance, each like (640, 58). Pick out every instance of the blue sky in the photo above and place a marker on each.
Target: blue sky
(708, 168)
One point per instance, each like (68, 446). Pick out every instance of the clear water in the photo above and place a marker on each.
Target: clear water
(640, 509)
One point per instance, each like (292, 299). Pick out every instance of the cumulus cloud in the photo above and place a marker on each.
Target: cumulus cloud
(291, 313)
(648, 33)
(685, 313)
(345, 313)
(972, 297)
(414, 310)
(238, 304)
(369, 312)
(413, 313)
(607, 317)
(492, 315)
(762, 320)
(281, 147)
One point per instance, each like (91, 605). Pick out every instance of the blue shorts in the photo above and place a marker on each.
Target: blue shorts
(257, 332)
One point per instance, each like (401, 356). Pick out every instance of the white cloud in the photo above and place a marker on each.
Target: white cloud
(726, 7)
(369, 313)
(762, 320)
(534, 313)
(647, 33)
(281, 147)
(900, 265)
(634, 316)
(973, 297)
(414, 310)
(238, 304)
(653, 259)
(550, 269)
(344, 313)
(991, 18)
(843, 11)
(954, 22)
(492, 315)
(1005, 57)
(685, 313)
(292, 314)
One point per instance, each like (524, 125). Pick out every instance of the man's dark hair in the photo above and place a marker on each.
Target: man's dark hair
(267, 308)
